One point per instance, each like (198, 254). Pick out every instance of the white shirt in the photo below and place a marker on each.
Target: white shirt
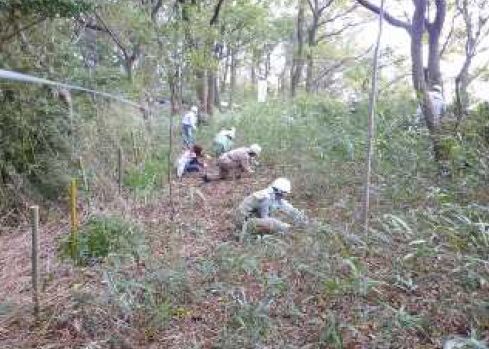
(190, 118)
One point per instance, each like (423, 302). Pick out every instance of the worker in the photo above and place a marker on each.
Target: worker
(191, 160)
(254, 212)
(189, 126)
(437, 102)
(236, 162)
(224, 140)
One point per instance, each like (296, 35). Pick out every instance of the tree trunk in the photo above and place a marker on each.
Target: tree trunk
(201, 88)
(217, 95)
(225, 73)
(434, 74)
(461, 95)
(434, 31)
(268, 64)
(211, 90)
(232, 84)
(298, 61)
(310, 60)
(175, 107)
(418, 27)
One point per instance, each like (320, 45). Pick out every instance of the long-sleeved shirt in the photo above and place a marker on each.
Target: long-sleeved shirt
(239, 157)
(222, 143)
(190, 119)
(185, 159)
(263, 203)
(438, 103)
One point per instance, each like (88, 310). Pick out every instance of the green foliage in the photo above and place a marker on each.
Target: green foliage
(147, 177)
(48, 8)
(34, 143)
(331, 335)
(102, 237)
(248, 325)
(151, 299)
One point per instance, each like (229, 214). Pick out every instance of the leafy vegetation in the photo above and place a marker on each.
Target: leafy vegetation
(102, 237)
(156, 261)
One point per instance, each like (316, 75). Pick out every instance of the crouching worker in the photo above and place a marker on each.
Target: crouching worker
(235, 162)
(191, 160)
(223, 142)
(253, 214)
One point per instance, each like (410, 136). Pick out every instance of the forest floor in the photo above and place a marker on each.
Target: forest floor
(299, 291)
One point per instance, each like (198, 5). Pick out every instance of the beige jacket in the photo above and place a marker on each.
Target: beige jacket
(235, 158)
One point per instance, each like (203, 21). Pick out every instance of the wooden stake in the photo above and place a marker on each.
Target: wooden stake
(119, 169)
(134, 148)
(34, 258)
(84, 176)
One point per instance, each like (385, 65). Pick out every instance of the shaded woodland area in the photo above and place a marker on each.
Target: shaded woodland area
(396, 252)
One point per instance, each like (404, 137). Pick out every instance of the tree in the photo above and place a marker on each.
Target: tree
(325, 16)
(475, 16)
(298, 61)
(422, 78)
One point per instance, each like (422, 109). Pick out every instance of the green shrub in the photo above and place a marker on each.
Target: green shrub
(103, 236)
(34, 145)
(149, 177)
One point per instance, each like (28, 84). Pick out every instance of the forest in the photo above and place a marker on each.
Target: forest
(249, 174)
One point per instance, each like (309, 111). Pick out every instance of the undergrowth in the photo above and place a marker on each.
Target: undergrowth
(101, 237)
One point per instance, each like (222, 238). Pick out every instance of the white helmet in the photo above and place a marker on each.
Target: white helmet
(281, 184)
(194, 109)
(436, 88)
(255, 148)
(232, 132)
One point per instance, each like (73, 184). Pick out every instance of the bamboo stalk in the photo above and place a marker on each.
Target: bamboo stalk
(371, 124)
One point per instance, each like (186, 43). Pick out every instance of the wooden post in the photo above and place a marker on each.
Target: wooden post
(170, 168)
(73, 213)
(134, 148)
(34, 258)
(73, 219)
(84, 176)
(119, 169)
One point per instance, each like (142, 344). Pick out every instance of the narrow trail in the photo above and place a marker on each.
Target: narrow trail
(201, 229)
(203, 220)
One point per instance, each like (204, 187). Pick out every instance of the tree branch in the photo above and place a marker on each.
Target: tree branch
(114, 37)
(311, 6)
(337, 32)
(387, 16)
(449, 36)
(338, 15)
(215, 16)
(19, 30)
(155, 9)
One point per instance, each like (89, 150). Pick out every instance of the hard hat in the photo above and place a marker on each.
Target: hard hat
(436, 88)
(194, 109)
(255, 148)
(281, 184)
(231, 133)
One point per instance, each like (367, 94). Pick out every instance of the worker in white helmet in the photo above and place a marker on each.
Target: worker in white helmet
(189, 126)
(224, 140)
(235, 162)
(254, 212)
(437, 102)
